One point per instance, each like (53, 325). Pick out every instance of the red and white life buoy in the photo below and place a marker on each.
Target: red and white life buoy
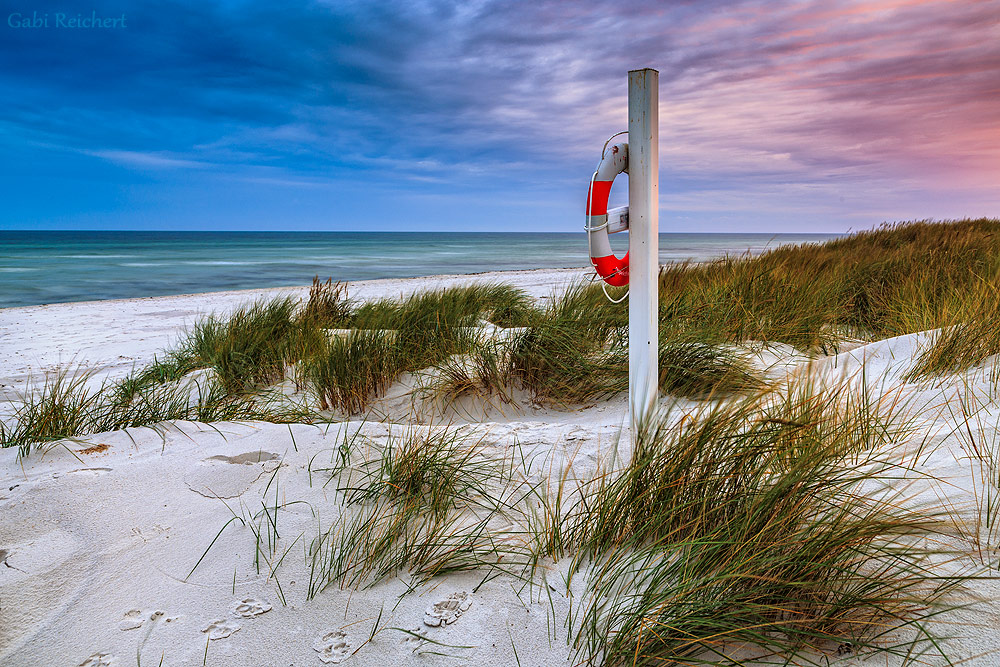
(610, 268)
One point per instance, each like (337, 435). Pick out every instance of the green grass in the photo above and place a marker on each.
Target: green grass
(64, 407)
(894, 280)
(348, 371)
(433, 325)
(67, 406)
(770, 522)
(482, 374)
(429, 503)
(697, 370)
(751, 523)
(969, 336)
(246, 350)
(328, 305)
(577, 350)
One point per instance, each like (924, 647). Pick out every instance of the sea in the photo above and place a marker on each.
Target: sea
(42, 267)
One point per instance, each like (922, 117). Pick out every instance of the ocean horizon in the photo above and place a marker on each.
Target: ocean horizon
(43, 267)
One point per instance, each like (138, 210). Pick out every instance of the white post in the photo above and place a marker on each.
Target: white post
(643, 242)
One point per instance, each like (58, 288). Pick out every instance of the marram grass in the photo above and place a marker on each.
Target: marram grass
(764, 526)
(754, 528)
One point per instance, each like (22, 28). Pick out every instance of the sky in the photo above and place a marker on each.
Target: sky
(775, 115)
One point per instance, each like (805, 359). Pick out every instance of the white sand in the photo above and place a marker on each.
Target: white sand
(97, 547)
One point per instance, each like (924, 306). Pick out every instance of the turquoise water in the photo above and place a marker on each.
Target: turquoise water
(54, 267)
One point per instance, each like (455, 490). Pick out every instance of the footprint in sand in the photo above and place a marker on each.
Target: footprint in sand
(447, 611)
(132, 620)
(333, 647)
(220, 628)
(100, 660)
(250, 607)
(233, 480)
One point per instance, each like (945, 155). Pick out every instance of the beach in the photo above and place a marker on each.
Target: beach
(189, 543)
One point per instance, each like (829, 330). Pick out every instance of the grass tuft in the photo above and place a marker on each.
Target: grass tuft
(350, 370)
(752, 523)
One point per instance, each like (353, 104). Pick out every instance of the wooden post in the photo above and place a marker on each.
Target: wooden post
(643, 242)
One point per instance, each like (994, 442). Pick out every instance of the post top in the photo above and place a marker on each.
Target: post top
(644, 69)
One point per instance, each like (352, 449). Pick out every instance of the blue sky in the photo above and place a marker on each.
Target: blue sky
(776, 116)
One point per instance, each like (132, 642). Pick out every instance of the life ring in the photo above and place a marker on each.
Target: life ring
(610, 268)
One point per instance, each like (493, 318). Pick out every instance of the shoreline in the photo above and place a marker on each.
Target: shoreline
(254, 290)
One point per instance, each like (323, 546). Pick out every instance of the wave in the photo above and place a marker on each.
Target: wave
(93, 256)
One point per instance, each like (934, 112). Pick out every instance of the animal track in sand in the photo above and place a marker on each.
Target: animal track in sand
(132, 620)
(333, 647)
(447, 611)
(250, 607)
(220, 628)
(100, 660)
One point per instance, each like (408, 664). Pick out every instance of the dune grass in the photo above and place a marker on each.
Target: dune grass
(754, 523)
(348, 371)
(969, 336)
(328, 304)
(245, 353)
(898, 279)
(483, 374)
(894, 280)
(578, 351)
(246, 349)
(69, 406)
(697, 370)
(429, 503)
(767, 525)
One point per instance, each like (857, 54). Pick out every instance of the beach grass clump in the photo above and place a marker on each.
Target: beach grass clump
(435, 470)
(349, 370)
(67, 406)
(248, 349)
(577, 350)
(740, 299)
(170, 367)
(63, 407)
(558, 363)
(430, 503)
(573, 350)
(744, 524)
(694, 369)
(328, 305)
(435, 324)
(483, 374)
(969, 338)
(423, 330)
(367, 544)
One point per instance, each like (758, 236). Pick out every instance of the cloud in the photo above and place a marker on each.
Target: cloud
(756, 98)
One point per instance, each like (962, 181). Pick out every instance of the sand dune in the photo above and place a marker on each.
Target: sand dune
(139, 546)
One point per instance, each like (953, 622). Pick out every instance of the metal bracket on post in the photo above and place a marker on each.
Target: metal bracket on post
(644, 265)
